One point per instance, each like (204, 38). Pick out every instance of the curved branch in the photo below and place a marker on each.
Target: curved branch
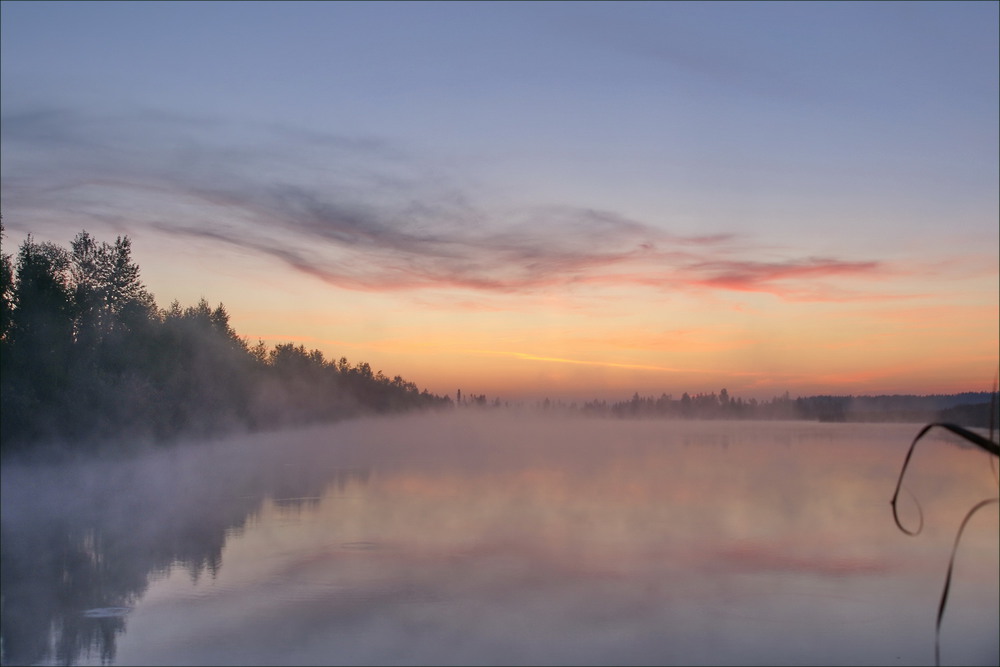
(951, 566)
(983, 443)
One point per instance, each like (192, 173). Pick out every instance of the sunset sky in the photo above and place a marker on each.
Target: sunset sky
(537, 199)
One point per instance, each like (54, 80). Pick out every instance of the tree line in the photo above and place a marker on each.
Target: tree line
(87, 357)
(969, 408)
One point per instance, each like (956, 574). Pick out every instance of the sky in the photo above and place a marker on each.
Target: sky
(531, 199)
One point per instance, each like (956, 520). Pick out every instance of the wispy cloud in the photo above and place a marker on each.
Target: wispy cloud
(613, 364)
(360, 214)
(793, 279)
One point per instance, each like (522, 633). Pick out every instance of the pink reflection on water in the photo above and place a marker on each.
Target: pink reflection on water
(499, 540)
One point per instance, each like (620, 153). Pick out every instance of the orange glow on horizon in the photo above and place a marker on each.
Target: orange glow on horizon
(891, 333)
(756, 348)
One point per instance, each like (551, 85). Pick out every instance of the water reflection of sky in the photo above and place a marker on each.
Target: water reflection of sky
(465, 541)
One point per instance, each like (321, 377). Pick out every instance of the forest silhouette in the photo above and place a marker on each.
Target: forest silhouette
(88, 358)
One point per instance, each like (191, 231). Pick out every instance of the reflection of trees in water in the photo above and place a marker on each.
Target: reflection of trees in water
(52, 572)
(85, 539)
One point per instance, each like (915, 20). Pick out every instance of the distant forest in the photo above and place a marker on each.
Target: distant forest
(966, 409)
(88, 358)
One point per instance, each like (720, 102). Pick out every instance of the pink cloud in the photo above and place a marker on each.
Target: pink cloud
(754, 557)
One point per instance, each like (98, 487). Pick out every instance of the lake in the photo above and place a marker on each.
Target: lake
(494, 537)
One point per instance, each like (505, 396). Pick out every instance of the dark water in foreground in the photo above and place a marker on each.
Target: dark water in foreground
(486, 539)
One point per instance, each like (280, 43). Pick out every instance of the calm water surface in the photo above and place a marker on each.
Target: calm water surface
(504, 539)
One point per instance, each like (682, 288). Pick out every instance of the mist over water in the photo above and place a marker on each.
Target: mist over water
(496, 537)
